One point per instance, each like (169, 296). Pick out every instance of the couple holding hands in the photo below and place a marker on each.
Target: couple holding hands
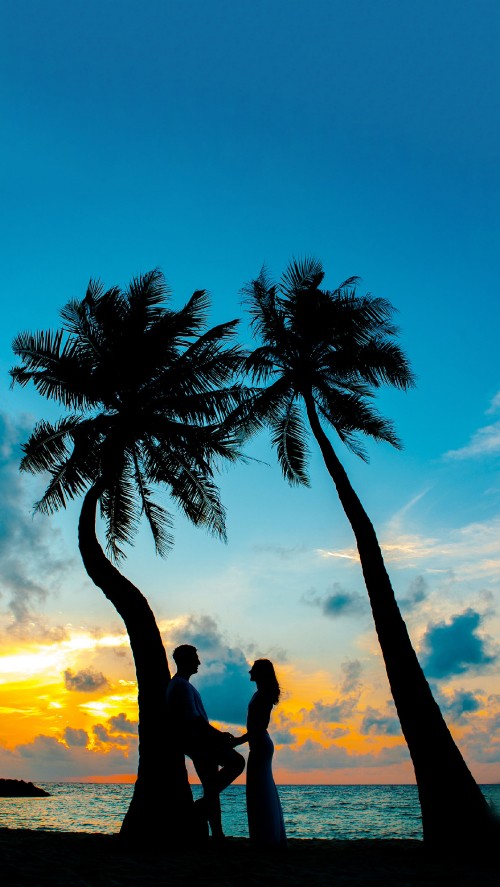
(213, 753)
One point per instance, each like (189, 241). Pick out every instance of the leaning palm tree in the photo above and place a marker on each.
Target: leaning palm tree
(147, 392)
(327, 353)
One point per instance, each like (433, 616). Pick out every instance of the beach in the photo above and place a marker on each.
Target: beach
(39, 858)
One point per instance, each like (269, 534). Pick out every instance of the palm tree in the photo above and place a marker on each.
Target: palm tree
(147, 392)
(328, 352)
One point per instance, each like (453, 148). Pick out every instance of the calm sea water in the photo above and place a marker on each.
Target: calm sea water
(311, 811)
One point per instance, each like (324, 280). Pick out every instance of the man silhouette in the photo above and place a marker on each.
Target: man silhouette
(207, 747)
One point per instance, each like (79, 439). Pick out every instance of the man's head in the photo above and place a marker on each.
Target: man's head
(186, 659)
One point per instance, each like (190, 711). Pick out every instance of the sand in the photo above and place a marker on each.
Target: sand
(77, 859)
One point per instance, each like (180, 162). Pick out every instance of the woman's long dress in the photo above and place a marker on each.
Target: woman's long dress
(265, 816)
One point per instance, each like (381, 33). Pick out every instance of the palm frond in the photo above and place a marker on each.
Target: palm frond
(260, 408)
(208, 362)
(301, 274)
(262, 364)
(39, 352)
(288, 435)
(146, 296)
(382, 362)
(119, 511)
(215, 407)
(69, 478)
(63, 377)
(159, 520)
(267, 318)
(199, 498)
(346, 288)
(350, 414)
(47, 445)
(190, 320)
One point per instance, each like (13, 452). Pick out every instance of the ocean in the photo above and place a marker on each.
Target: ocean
(310, 811)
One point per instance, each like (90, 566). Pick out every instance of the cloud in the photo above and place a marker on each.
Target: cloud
(118, 731)
(494, 406)
(418, 591)
(351, 672)
(85, 681)
(482, 737)
(314, 756)
(466, 551)
(25, 581)
(332, 713)
(379, 724)
(46, 759)
(223, 679)
(338, 602)
(75, 737)
(282, 726)
(121, 724)
(485, 441)
(281, 551)
(460, 704)
(101, 733)
(453, 648)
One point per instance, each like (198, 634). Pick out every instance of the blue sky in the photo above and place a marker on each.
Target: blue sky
(209, 139)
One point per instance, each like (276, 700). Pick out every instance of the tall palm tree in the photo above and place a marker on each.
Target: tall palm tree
(328, 352)
(147, 393)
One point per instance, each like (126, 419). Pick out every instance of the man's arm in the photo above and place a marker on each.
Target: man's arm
(182, 704)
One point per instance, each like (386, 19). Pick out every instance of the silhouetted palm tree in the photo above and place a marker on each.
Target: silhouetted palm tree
(147, 392)
(329, 352)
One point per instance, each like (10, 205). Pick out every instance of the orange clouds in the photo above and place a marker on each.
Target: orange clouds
(69, 712)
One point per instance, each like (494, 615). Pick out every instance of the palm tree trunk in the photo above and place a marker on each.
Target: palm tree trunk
(161, 805)
(455, 813)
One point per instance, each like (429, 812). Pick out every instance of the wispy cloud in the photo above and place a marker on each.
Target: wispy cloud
(494, 406)
(397, 518)
(485, 441)
(471, 550)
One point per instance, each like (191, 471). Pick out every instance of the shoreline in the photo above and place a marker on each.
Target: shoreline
(85, 859)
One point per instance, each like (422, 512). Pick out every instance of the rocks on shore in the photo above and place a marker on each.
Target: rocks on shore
(18, 788)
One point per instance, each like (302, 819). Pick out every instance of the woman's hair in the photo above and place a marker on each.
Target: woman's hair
(265, 678)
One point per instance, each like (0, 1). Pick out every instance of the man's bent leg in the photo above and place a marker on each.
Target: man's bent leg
(232, 764)
(207, 770)
(214, 781)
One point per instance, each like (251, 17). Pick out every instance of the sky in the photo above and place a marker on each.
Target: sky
(209, 139)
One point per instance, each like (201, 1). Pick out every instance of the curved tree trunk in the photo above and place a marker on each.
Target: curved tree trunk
(162, 802)
(455, 813)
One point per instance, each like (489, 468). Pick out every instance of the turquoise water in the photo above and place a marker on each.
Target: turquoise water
(311, 811)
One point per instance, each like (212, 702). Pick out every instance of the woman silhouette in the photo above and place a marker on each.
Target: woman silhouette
(265, 817)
